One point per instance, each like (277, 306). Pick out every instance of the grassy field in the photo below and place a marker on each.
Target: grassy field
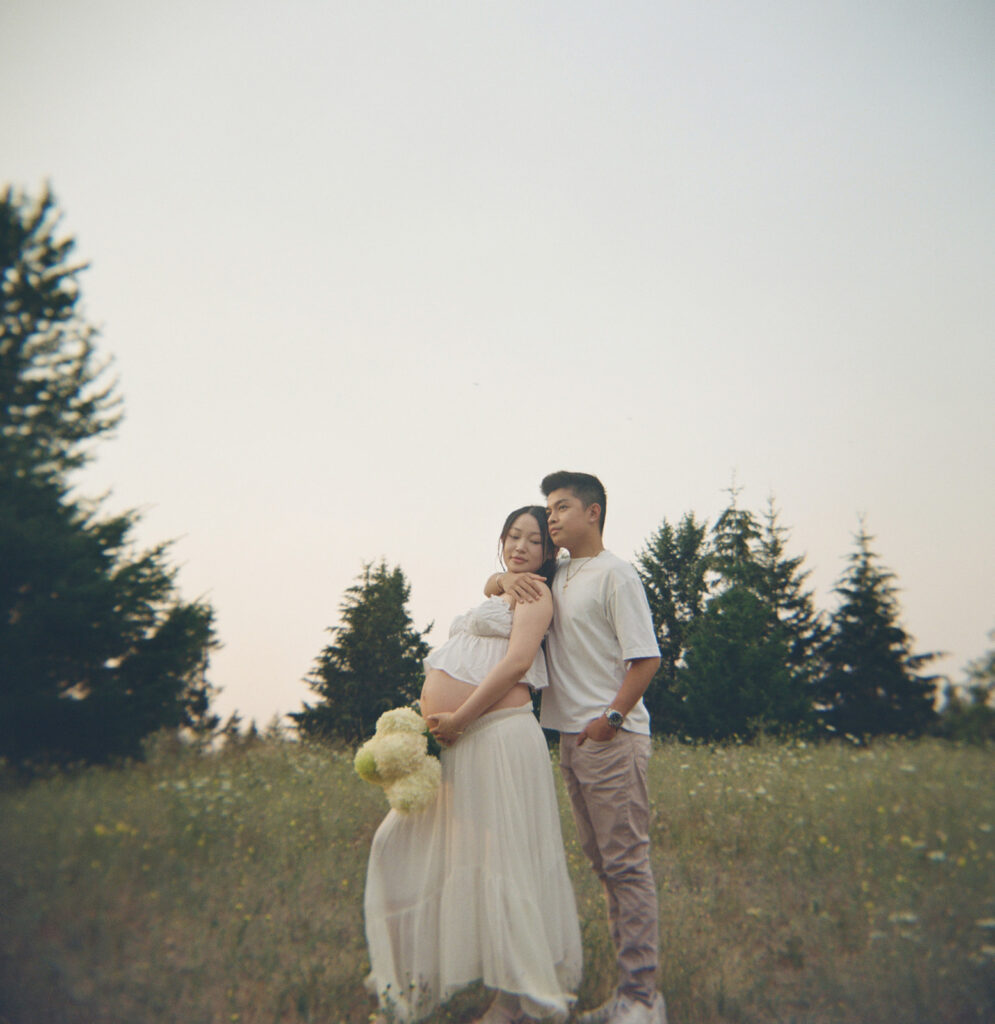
(797, 883)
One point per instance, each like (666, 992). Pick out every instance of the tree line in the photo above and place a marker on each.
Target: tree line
(98, 650)
(744, 650)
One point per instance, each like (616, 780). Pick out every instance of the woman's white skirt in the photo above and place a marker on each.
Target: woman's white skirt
(476, 886)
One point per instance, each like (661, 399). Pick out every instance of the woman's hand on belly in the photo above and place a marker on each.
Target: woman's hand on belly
(442, 728)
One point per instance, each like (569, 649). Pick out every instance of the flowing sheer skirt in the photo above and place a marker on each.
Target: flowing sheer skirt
(476, 886)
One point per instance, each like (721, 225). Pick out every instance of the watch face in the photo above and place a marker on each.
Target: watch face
(615, 719)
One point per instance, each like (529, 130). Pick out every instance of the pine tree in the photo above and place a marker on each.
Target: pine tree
(735, 536)
(55, 394)
(871, 684)
(96, 652)
(736, 682)
(373, 664)
(782, 588)
(673, 568)
(968, 714)
(741, 676)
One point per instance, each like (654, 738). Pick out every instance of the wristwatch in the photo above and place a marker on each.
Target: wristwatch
(615, 718)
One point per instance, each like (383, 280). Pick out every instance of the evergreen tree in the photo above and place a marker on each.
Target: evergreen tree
(736, 682)
(96, 652)
(55, 395)
(741, 675)
(968, 713)
(735, 537)
(782, 588)
(373, 664)
(871, 684)
(673, 567)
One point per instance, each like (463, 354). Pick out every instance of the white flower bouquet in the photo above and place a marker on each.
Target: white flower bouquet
(396, 758)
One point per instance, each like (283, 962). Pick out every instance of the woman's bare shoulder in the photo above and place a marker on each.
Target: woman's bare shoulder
(542, 605)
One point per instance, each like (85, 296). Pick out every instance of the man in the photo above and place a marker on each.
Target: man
(602, 653)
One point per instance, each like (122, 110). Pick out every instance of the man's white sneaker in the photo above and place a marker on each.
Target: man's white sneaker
(659, 1009)
(631, 1011)
(600, 1014)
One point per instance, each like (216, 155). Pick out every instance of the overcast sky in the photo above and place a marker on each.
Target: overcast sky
(369, 270)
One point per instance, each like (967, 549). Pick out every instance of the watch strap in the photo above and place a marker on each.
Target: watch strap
(615, 718)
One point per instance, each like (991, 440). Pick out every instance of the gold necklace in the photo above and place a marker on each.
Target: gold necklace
(577, 572)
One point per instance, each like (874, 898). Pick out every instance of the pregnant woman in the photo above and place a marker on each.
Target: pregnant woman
(476, 886)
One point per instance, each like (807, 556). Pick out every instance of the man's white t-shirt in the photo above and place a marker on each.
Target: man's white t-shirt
(601, 620)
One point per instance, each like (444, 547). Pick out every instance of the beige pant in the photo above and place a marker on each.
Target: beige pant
(609, 794)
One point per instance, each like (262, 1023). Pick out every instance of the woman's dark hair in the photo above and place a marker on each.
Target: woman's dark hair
(548, 568)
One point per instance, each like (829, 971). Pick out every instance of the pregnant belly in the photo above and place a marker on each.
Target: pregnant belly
(442, 692)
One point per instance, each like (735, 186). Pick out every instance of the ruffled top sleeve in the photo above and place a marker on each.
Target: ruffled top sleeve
(478, 640)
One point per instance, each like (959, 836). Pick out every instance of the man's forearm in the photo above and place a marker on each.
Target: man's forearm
(637, 678)
(493, 587)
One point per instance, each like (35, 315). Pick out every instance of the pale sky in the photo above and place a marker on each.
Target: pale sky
(369, 270)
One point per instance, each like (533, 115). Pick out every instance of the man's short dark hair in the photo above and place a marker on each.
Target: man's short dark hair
(584, 486)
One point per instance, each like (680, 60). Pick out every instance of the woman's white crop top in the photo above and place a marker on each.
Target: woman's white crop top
(478, 640)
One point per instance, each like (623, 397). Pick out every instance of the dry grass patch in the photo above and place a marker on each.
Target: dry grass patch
(797, 883)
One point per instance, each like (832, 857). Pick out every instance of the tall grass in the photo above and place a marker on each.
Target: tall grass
(804, 884)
